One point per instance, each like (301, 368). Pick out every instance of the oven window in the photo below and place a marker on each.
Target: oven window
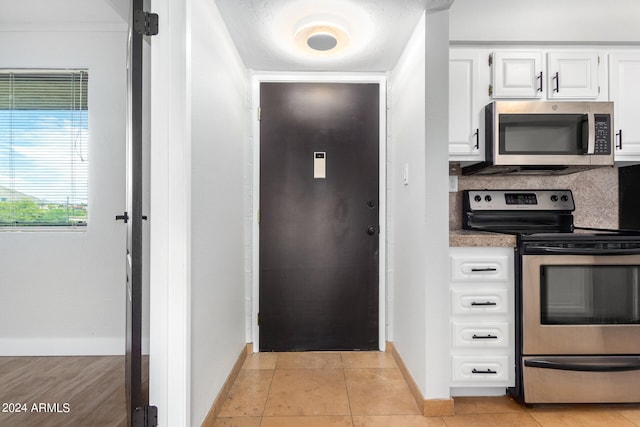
(543, 134)
(589, 294)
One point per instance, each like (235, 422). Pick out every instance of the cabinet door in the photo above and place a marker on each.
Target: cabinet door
(517, 74)
(573, 75)
(466, 104)
(624, 78)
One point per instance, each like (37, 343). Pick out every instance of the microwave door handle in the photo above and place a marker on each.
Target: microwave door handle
(591, 132)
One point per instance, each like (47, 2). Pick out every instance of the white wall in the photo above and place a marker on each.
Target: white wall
(589, 21)
(407, 206)
(436, 198)
(219, 130)
(418, 133)
(63, 293)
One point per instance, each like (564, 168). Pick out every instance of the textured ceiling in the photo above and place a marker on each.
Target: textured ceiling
(263, 31)
(72, 15)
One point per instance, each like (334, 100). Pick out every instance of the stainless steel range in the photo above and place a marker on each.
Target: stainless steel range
(577, 298)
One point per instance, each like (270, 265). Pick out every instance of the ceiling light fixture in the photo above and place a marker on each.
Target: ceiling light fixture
(321, 39)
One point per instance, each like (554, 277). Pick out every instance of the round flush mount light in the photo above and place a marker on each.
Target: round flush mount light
(305, 30)
(321, 39)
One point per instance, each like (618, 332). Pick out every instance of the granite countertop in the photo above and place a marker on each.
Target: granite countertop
(471, 238)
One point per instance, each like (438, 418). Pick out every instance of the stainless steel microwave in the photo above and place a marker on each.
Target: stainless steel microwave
(546, 138)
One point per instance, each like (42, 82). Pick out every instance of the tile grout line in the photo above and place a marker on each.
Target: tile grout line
(621, 413)
(266, 400)
(344, 375)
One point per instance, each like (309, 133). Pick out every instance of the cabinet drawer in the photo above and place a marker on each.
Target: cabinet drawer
(478, 269)
(481, 369)
(480, 335)
(465, 302)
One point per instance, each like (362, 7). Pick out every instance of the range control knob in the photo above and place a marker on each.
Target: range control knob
(564, 198)
(554, 198)
(487, 198)
(477, 198)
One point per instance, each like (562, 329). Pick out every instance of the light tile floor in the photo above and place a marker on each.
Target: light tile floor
(317, 389)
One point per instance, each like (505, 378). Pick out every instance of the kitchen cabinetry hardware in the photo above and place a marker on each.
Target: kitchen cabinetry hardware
(619, 138)
(481, 304)
(557, 79)
(477, 135)
(540, 78)
(486, 371)
(484, 337)
(483, 269)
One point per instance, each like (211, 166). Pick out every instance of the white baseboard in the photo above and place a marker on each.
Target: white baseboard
(62, 346)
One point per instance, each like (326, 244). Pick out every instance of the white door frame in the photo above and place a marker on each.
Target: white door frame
(170, 228)
(378, 78)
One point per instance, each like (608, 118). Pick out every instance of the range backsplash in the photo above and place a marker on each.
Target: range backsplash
(595, 193)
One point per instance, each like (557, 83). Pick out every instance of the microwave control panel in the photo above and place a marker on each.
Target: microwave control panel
(602, 134)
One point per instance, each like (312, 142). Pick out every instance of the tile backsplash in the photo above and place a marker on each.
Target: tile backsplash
(595, 193)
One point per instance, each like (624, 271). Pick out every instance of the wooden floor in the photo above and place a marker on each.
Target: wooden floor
(62, 391)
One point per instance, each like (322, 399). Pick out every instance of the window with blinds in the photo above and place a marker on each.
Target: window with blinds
(43, 148)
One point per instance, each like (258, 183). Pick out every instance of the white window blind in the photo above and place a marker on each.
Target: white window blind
(43, 148)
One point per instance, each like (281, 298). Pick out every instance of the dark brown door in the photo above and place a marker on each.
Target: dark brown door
(319, 161)
(136, 372)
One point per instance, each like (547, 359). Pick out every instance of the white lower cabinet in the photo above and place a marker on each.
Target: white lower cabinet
(482, 317)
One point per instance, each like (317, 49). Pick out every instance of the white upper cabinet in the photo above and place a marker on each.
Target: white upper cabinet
(517, 74)
(564, 75)
(624, 80)
(573, 75)
(477, 75)
(467, 73)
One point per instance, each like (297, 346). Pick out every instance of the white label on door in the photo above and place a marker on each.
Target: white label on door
(319, 164)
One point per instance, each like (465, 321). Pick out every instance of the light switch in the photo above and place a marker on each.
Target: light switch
(319, 164)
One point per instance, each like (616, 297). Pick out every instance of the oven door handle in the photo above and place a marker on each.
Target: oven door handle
(583, 367)
(582, 251)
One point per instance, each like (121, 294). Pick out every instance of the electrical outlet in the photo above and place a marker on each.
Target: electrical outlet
(453, 183)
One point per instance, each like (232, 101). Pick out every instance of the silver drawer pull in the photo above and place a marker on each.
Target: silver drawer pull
(484, 337)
